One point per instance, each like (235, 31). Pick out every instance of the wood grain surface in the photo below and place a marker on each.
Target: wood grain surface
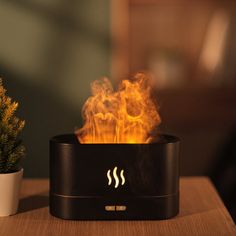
(201, 213)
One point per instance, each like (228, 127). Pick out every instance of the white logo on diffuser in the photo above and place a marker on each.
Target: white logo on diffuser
(115, 177)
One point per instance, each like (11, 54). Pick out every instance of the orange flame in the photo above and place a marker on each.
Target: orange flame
(126, 116)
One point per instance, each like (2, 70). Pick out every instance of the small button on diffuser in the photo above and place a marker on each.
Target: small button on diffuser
(120, 208)
(110, 208)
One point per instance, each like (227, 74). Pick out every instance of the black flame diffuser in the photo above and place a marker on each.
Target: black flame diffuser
(114, 181)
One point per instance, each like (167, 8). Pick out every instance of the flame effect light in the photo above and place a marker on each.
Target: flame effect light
(126, 116)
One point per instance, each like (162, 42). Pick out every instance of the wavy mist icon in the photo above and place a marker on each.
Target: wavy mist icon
(115, 177)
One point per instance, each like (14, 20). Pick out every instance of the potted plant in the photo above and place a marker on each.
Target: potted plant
(11, 153)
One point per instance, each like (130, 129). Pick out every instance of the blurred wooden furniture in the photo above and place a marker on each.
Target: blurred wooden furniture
(160, 36)
(201, 213)
(140, 28)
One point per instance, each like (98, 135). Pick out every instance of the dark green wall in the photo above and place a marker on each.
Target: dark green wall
(50, 51)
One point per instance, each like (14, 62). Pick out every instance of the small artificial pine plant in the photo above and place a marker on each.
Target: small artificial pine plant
(11, 148)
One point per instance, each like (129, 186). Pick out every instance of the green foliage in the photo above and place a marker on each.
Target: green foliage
(11, 148)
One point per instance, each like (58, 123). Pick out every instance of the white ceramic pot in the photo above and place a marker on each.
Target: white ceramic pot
(10, 184)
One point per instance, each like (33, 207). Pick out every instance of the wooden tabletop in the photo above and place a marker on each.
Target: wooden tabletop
(201, 213)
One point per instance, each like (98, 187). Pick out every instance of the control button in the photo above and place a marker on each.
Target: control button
(121, 208)
(110, 208)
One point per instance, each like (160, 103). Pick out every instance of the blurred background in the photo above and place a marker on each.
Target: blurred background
(50, 51)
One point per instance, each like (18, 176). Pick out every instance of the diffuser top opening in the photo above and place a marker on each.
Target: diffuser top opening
(69, 139)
